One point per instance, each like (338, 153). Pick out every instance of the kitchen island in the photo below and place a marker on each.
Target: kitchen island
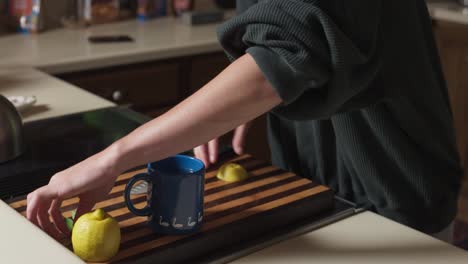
(363, 238)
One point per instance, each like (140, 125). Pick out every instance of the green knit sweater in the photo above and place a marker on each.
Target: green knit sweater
(365, 109)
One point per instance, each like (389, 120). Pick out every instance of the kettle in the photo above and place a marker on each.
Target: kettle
(11, 131)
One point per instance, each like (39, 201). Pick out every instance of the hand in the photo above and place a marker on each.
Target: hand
(208, 152)
(90, 181)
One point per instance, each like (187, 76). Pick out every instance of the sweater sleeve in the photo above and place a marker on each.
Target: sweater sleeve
(315, 66)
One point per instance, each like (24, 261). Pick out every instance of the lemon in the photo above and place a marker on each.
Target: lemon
(96, 236)
(232, 172)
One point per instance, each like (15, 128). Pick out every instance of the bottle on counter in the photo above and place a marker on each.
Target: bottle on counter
(104, 11)
(35, 23)
(98, 11)
(181, 6)
(87, 12)
(151, 8)
(83, 11)
(18, 14)
(26, 16)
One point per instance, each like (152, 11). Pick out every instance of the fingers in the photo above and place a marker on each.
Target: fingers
(45, 223)
(57, 217)
(238, 140)
(208, 153)
(84, 207)
(32, 207)
(213, 150)
(38, 204)
(201, 152)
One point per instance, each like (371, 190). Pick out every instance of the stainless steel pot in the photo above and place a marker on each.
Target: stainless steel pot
(11, 131)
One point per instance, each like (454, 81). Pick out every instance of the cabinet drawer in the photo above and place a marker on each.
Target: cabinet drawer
(144, 86)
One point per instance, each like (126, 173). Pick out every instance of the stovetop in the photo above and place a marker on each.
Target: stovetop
(57, 143)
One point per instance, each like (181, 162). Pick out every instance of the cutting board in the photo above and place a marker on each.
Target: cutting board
(234, 212)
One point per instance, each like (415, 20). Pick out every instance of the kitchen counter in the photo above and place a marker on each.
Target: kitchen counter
(448, 10)
(22, 242)
(54, 97)
(363, 238)
(67, 50)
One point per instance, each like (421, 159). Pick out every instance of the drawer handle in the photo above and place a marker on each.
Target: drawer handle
(117, 95)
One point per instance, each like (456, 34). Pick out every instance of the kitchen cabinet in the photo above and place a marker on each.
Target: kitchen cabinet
(3, 23)
(147, 87)
(203, 69)
(452, 42)
(154, 87)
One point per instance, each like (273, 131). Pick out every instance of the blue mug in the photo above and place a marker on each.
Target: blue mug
(175, 195)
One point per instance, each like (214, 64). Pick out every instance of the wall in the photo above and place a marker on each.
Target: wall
(54, 11)
(2, 17)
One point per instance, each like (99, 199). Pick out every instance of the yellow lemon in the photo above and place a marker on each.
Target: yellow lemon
(232, 172)
(96, 236)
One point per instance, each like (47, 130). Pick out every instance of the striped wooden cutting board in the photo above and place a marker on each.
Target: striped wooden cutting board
(234, 212)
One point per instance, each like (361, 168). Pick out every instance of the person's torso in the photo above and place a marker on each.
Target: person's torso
(398, 155)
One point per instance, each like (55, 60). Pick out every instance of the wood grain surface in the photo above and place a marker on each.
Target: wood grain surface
(269, 198)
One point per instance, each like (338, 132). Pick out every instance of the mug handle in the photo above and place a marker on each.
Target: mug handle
(140, 212)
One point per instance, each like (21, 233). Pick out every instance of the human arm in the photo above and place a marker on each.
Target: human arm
(237, 95)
